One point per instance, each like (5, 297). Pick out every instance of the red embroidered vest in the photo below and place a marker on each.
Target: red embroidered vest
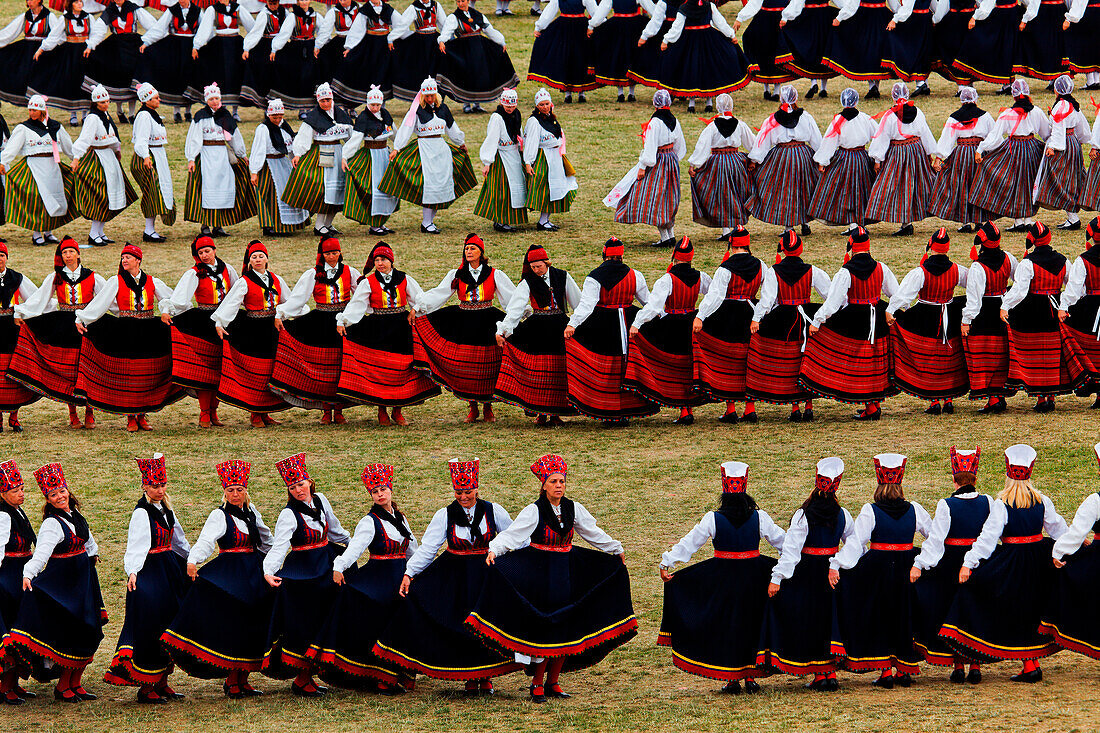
(939, 289)
(621, 295)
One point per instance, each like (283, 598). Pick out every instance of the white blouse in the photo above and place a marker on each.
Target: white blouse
(518, 533)
(769, 290)
(710, 138)
(855, 547)
(838, 293)
(931, 551)
(705, 530)
(716, 295)
(44, 299)
(1034, 122)
(234, 299)
(1074, 537)
(894, 129)
(854, 133)
(364, 535)
(215, 528)
(139, 540)
(297, 303)
(184, 291)
(590, 297)
(360, 306)
(795, 540)
(658, 296)
(910, 287)
(975, 289)
(1021, 284)
(805, 130)
(519, 305)
(995, 523)
(952, 131)
(105, 301)
(434, 299)
(657, 135)
(287, 524)
(435, 536)
(50, 535)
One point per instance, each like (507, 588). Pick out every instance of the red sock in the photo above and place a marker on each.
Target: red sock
(553, 669)
(540, 673)
(975, 666)
(74, 677)
(685, 411)
(960, 663)
(304, 679)
(731, 408)
(809, 404)
(750, 407)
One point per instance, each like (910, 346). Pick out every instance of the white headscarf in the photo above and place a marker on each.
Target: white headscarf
(275, 107)
(145, 92)
(210, 92)
(968, 95)
(99, 94)
(899, 92)
(724, 104)
(1063, 84)
(849, 98)
(1020, 89)
(788, 95)
(662, 99)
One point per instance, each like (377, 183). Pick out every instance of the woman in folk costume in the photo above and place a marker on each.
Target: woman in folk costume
(847, 170)
(376, 366)
(474, 66)
(700, 56)
(60, 62)
(561, 56)
(299, 567)
(456, 345)
(1068, 618)
(39, 193)
(258, 66)
(430, 635)
(615, 30)
(245, 321)
(1080, 26)
(551, 182)
(231, 586)
(126, 360)
(19, 41)
(219, 192)
(857, 45)
(533, 372)
(929, 361)
(901, 148)
(432, 168)
(984, 334)
(848, 355)
(660, 365)
(16, 541)
(307, 361)
(875, 600)
(1060, 183)
(787, 176)
(804, 31)
(156, 548)
(596, 340)
(720, 181)
(367, 599)
(763, 44)
(800, 616)
(654, 196)
(957, 163)
(114, 59)
(196, 348)
(503, 197)
(779, 329)
(956, 526)
(414, 41)
(368, 54)
(1079, 306)
(1090, 194)
(645, 68)
(366, 156)
(553, 605)
(15, 288)
(1040, 47)
(910, 42)
(1043, 357)
(102, 189)
(219, 50)
(1006, 587)
(59, 624)
(149, 165)
(293, 58)
(167, 49)
(332, 33)
(722, 325)
(47, 354)
(317, 182)
(989, 48)
(718, 638)
(270, 166)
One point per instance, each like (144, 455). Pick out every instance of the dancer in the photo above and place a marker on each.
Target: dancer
(167, 51)
(719, 170)
(102, 189)
(911, 44)
(219, 49)
(561, 56)
(1079, 305)
(59, 63)
(114, 56)
(857, 45)
(503, 196)
(363, 202)
(615, 30)
(17, 54)
(149, 165)
(957, 162)
(763, 44)
(847, 170)
(270, 167)
(984, 334)
(368, 54)
(294, 70)
(474, 66)
(1061, 179)
(256, 53)
(786, 177)
(332, 33)
(317, 182)
(551, 183)
(18, 538)
(15, 288)
(700, 56)
(804, 31)
(414, 41)
(989, 48)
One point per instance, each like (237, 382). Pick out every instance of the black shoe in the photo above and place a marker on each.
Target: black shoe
(38, 241)
(122, 118)
(51, 239)
(1004, 91)
(84, 694)
(958, 676)
(684, 420)
(535, 13)
(1050, 87)
(886, 683)
(154, 237)
(816, 684)
(905, 231)
(1017, 228)
(25, 694)
(709, 107)
(807, 416)
(310, 691)
(805, 230)
(966, 229)
(621, 98)
(1035, 675)
(546, 227)
(872, 93)
(767, 96)
(538, 694)
(750, 417)
(218, 233)
(933, 409)
(733, 687)
(869, 415)
(974, 676)
(922, 90)
(730, 418)
(812, 91)
(391, 690)
(467, 109)
(377, 231)
(795, 416)
(153, 698)
(752, 686)
(177, 118)
(831, 685)
(903, 680)
(12, 699)
(691, 106)
(824, 94)
(430, 229)
(1068, 226)
(386, 230)
(322, 231)
(555, 691)
(170, 695)
(109, 240)
(97, 241)
(631, 98)
(507, 228)
(948, 408)
(568, 99)
(581, 99)
(669, 243)
(1047, 406)
(187, 116)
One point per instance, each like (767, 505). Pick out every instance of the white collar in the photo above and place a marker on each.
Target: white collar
(387, 277)
(330, 270)
(475, 272)
(71, 274)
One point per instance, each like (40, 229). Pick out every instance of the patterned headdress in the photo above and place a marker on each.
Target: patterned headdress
(275, 107)
(293, 469)
(683, 251)
(377, 476)
(211, 91)
(146, 91)
(324, 91)
(133, 250)
(154, 472)
(50, 477)
(965, 461)
(37, 103)
(890, 467)
(829, 473)
(735, 477)
(548, 465)
(1020, 461)
(10, 478)
(464, 474)
(375, 96)
(1038, 235)
(790, 245)
(99, 94)
(613, 247)
(233, 473)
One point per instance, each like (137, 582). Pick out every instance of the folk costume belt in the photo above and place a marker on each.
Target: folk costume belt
(943, 315)
(238, 549)
(430, 137)
(214, 143)
(696, 27)
(39, 155)
(822, 551)
(332, 307)
(959, 541)
(1020, 137)
(70, 308)
(553, 548)
(969, 141)
(891, 547)
(311, 546)
(548, 312)
(262, 313)
(476, 551)
(73, 553)
(571, 15)
(475, 306)
(276, 156)
(137, 314)
(7, 312)
(108, 146)
(665, 148)
(679, 311)
(724, 150)
(725, 555)
(391, 311)
(790, 144)
(400, 556)
(1030, 539)
(375, 144)
(28, 553)
(157, 550)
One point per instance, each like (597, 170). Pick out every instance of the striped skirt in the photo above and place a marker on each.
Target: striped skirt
(954, 182)
(1083, 326)
(660, 363)
(595, 365)
(902, 191)
(152, 201)
(1043, 357)
(844, 188)
(538, 187)
(1061, 180)
(1005, 177)
(404, 177)
(986, 349)
(655, 198)
(495, 200)
(842, 363)
(244, 201)
(775, 356)
(925, 363)
(91, 190)
(23, 203)
(13, 395)
(457, 347)
(307, 361)
(196, 350)
(248, 356)
(376, 363)
(720, 352)
(532, 366)
(359, 190)
(305, 188)
(1090, 195)
(47, 356)
(267, 205)
(785, 184)
(126, 366)
(721, 188)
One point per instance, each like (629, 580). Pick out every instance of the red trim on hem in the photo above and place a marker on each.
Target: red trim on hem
(874, 665)
(328, 658)
(893, 67)
(1002, 80)
(993, 652)
(1025, 71)
(664, 638)
(564, 650)
(766, 660)
(880, 76)
(185, 646)
(122, 672)
(563, 87)
(480, 673)
(1067, 643)
(727, 675)
(17, 639)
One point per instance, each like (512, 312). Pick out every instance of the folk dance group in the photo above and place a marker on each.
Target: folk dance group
(505, 594)
(985, 586)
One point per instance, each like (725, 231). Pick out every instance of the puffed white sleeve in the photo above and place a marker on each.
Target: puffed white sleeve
(192, 144)
(97, 34)
(267, 539)
(488, 150)
(493, 34)
(940, 8)
(336, 531)
(1076, 10)
(433, 300)
(297, 303)
(503, 286)
(1031, 11)
(703, 146)
(518, 533)
(49, 537)
(585, 527)
(531, 136)
(889, 281)
(821, 281)
(430, 544)
(904, 11)
(179, 542)
(769, 292)
(100, 304)
(975, 291)
(450, 25)
(303, 141)
(364, 535)
(855, 547)
(991, 532)
(27, 288)
(256, 33)
(1057, 138)
(356, 33)
(656, 20)
(517, 306)
(946, 144)
(40, 301)
(995, 138)
(715, 295)
(285, 526)
(928, 140)
(13, 148)
(770, 531)
(924, 521)
(590, 296)
(1021, 283)
(548, 14)
(793, 542)
(158, 32)
(56, 36)
(675, 30)
(283, 36)
(827, 148)
(138, 542)
(793, 10)
(65, 142)
(161, 289)
(1083, 521)
(357, 307)
(1053, 522)
(1075, 285)
(11, 31)
(414, 292)
(603, 10)
(907, 291)
(231, 303)
(985, 7)
(648, 156)
(749, 10)
(212, 531)
(679, 144)
(572, 292)
(838, 294)
(88, 131)
(655, 306)
(931, 551)
(455, 133)
(718, 22)
(641, 290)
(257, 159)
(325, 28)
(848, 8)
(880, 143)
(691, 543)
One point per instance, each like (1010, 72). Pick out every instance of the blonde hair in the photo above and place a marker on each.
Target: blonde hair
(889, 491)
(167, 502)
(247, 499)
(1019, 493)
(437, 97)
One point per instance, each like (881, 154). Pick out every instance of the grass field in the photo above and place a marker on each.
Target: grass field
(647, 483)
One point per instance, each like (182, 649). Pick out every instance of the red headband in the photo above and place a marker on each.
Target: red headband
(66, 243)
(132, 250)
(1092, 231)
(537, 254)
(474, 240)
(613, 247)
(1038, 235)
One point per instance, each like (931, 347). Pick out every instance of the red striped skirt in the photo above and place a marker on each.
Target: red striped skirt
(926, 367)
(1062, 178)
(468, 368)
(1045, 362)
(721, 188)
(248, 357)
(1089, 346)
(986, 349)
(196, 350)
(660, 364)
(902, 191)
(954, 183)
(47, 356)
(785, 184)
(843, 190)
(307, 361)
(1090, 194)
(126, 366)
(721, 351)
(595, 366)
(847, 368)
(376, 364)
(13, 394)
(775, 356)
(654, 199)
(533, 367)
(1005, 177)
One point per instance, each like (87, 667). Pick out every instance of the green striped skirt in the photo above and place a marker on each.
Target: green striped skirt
(404, 178)
(305, 189)
(268, 200)
(91, 190)
(244, 201)
(152, 202)
(495, 200)
(538, 188)
(358, 190)
(24, 204)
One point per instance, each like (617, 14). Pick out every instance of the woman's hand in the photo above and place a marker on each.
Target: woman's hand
(634, 331)
(569, 331)
(1062, 316)
(443, 48)
(1058, 563)
(834, 577)
(190, 166)
(38, 54)
(87, 52)
(836, 23)
(811, 329)
(500, 340)
(255, 179)
(131, 583)
(403, 589)
(641, 173)
(278, 324)
(590, 31)
(773, 588)
(316, 52)
(342, 330)
(273, 580)
(1004, 315)
(148, 162)
(530, 169)
(194, 54)
(221, 332)
(977, 157)
(697, 325)
(1049, 152)
(271, 58)
(490, 558)
(691, 171)
(664, 46)
(81, 328)
(166, 319)
(337, 577)
(891, 25)
(971, 24)
(964, 329)
(1065, 25)
(890, 320)
(1023, 26)
(1094, 154)
(484, 171)
(964, 574)
(192, 570)
(390, 46)
(914, 574)
(641, 42)
(665, 575)
(26, 584)
(754, 327)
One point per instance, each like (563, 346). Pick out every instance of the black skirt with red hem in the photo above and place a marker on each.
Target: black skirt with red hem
(720, 351)
(47, 356)
(775, 355)
(1043, 358)
(800, 624)
(376, 363)
(595, 366)
(842, 363)
(927, 363)
(126, 366)
(196, 351)
(986, 349)
(934, 593)
(1082, 326)
(307, 361)
(1070, 617)
(13, 394)
(248, 357)
(457, 347)
(302, 603)
(660, 364)
(532, 366)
